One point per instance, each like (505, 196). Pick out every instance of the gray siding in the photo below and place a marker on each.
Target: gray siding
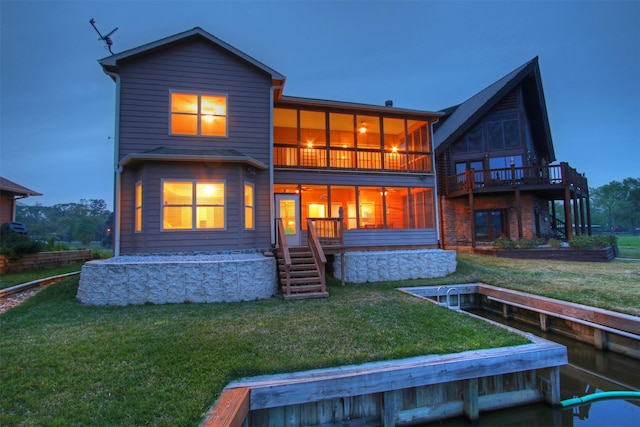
(146, 84)
(153, 240)
(193, 66)
(355, 178)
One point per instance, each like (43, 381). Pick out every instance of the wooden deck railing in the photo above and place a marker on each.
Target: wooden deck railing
(283, 247)
(561, 175)
(318, 254)
(329, 231)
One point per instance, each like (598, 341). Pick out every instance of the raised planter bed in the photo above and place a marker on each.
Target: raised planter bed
(43, 260)
(565, 254)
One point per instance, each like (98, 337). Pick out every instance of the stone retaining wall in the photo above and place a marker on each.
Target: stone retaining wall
(124, 283)
(379, 266)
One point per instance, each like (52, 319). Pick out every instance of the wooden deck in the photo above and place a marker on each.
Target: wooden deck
(548, 179)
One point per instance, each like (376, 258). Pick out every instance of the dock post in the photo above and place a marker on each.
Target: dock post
(470, 396)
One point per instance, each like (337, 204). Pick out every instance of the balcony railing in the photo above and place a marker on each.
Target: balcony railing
(561, 175)
(351, 159)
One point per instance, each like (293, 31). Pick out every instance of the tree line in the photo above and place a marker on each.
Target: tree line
(86, 221)
(616, 206)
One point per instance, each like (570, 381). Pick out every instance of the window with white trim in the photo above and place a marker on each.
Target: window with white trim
(249, 206)
(202, 114)
(138, 207)
(193, 205)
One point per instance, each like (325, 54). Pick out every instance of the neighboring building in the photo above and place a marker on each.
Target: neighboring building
(9, 193)
(493, 156)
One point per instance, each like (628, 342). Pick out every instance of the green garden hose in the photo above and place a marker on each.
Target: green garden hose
(627, 395)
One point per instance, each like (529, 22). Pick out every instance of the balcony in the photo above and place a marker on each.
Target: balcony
(287, 156)
(550, 179)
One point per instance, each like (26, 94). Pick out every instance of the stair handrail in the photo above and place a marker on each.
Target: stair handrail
(318, 254)
(284, 247)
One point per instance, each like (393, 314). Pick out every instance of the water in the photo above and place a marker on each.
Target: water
(589, 370)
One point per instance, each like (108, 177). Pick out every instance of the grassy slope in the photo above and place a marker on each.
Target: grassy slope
(629, 246)
(12, 279)
(68, 364)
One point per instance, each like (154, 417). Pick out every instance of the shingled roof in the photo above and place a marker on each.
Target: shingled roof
(459, 119)
(12, 187)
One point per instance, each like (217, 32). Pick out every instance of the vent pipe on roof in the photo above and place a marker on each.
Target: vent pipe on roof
(388, 103)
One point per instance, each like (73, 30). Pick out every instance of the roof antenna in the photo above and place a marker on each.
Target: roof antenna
(107, 38)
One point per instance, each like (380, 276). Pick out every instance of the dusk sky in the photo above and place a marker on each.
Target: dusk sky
(57, 106)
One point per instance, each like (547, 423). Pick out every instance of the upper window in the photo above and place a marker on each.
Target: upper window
(188, 205)
(198, 114)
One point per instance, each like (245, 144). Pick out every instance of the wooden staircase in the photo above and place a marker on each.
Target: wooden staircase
(301, 268)
(302, 279)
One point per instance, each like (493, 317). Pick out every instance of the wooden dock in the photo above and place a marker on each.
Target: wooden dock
(407, 391)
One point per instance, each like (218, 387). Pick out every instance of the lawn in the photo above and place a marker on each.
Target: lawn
(12, 279)
(69, 364)
(629, 246)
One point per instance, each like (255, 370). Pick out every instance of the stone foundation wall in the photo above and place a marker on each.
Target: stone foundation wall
(379, 266)
(114, 282)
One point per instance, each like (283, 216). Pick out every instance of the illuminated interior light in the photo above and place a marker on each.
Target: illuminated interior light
(363, 127)
(394, 150)
(208, 118)
(209, 190)
(309, 144)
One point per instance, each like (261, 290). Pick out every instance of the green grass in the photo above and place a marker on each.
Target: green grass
(12, 279)
(69, 364)
(613, 286)
(629, 246)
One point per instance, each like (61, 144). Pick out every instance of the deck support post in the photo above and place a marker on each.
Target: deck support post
(567, 214)
(472, 216)
(470, 399)
(543, 322)
(576, 213)
(600, 339)
(552, 389)
(389, 409)
(519, 212)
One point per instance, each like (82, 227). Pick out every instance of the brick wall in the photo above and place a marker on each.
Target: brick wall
(456, 216)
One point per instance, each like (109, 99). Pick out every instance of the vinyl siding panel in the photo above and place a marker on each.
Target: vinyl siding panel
(153, 239)
(354, 178)
(194, 66)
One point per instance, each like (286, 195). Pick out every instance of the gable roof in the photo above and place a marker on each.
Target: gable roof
(110, 63)
(459, 119)
(12, 187)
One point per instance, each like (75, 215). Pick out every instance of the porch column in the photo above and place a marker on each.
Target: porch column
(472, 217)
(582, 221)
(519, 212)
(567, 213)
(576, 213)
(588, 214)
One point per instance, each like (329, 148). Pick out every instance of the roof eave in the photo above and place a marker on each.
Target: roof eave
(110, 63)
(325, 103)
(135, 158)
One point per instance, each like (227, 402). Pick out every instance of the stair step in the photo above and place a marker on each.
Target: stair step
(298, 274)
(303, 288)
(307, 295)
(295, 281)
(298, 267)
